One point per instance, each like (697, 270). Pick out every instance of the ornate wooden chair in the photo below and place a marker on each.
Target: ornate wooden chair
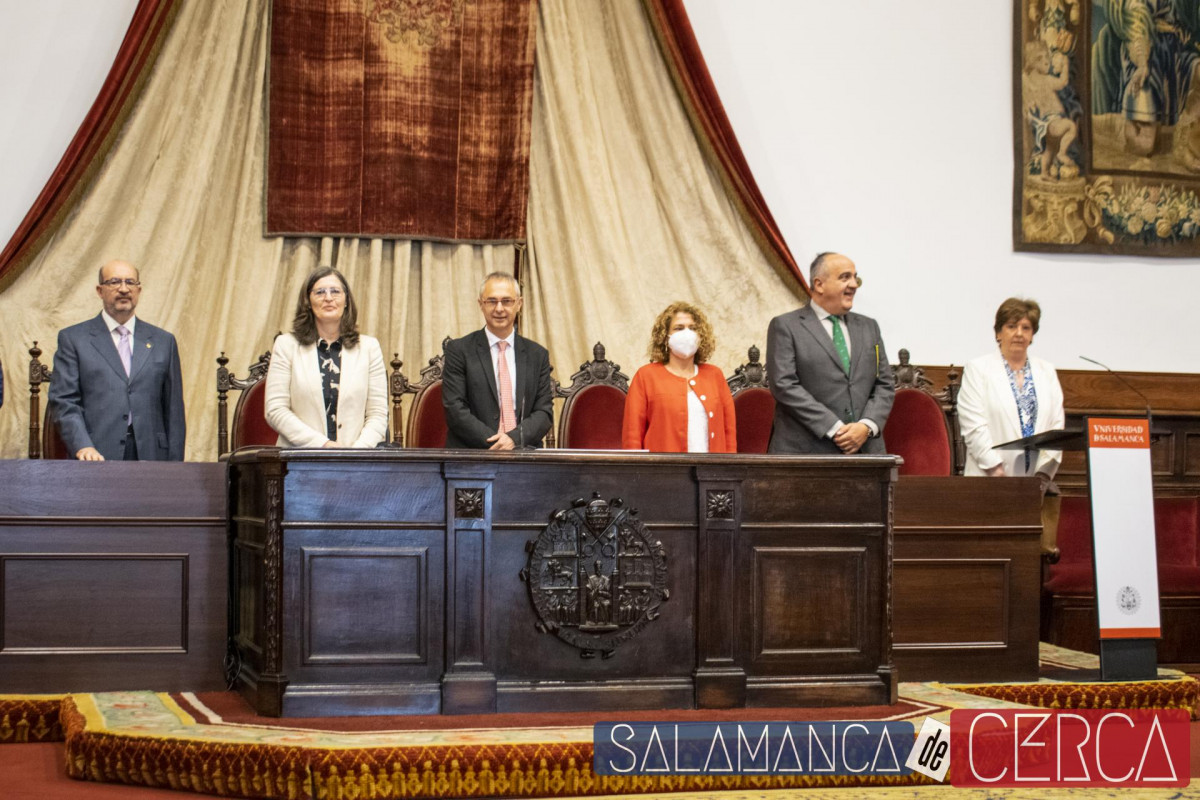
(250, 414)
(426, 417)
(919, 427)
(753, 404)
(593, 405)
(44, 441)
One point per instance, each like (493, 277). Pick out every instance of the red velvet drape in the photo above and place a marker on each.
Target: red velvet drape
(400, 119)
(71, 177)
(695, 85)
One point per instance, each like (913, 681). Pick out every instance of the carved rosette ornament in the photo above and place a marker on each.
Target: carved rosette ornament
(596, 576)
(468, 503)
(719, 504)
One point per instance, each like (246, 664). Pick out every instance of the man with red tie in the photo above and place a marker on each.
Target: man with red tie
(496, 384)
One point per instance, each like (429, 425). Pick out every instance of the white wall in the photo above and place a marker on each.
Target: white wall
(880, 129)
(884, 130)
(55, 57)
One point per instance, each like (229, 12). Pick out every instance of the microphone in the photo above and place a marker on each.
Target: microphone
(1128, 385)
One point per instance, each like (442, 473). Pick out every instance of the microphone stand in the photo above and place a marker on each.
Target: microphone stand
(1130, 386)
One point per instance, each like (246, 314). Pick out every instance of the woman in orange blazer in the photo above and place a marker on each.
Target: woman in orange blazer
(678, 403)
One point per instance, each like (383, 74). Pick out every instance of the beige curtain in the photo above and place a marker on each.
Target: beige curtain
(625, 216)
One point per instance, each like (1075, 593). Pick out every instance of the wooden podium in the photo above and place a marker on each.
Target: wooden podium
(1121, 492)
(427, 581)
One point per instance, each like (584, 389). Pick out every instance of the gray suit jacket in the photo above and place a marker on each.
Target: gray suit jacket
(91, 398)
(812, 391)
(472, 399)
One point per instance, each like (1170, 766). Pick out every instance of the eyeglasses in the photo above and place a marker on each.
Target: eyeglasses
(116, 283)
(332, 293)
(503, 302)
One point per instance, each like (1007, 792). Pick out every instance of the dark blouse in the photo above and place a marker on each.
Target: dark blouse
(329, 357)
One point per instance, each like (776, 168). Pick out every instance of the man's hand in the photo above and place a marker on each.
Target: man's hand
(850, 438)
(89, 454)
(996, 471)
(501, 442)
(330, 444)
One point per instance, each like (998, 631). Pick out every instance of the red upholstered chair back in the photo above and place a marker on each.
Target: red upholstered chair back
(594, 406)
(250, 426)
(753, 404)
(754, 408)
(916, 430)
(1177, 524)
(1075, 531)
(427, 418)
(592, 418)
(53, 446)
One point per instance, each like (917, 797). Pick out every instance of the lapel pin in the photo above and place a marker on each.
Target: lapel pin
(148, 345)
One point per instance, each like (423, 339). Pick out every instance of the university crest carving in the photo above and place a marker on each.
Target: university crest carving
(596, 576)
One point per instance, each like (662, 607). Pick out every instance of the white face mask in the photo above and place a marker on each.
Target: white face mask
(684, 343)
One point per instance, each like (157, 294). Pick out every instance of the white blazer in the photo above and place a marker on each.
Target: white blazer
(295, 404)
(987, 415)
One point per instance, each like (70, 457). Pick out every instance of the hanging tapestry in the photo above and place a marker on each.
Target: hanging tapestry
(1107, 115)
(400, 118)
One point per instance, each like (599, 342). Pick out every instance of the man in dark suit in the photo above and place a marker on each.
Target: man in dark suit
(828, 369)
(496, 384)
(117, 390)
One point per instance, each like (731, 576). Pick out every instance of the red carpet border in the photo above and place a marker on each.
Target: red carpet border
(179, 742)
(1183, 692)
(349, 772)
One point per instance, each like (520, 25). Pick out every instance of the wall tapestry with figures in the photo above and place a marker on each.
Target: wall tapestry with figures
(1107, 117)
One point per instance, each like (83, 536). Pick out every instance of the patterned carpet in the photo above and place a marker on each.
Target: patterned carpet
(214, 744)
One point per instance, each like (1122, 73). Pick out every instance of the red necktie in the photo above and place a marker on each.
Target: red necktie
(508, 419)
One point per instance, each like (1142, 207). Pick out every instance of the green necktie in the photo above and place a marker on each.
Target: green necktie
(839, 344)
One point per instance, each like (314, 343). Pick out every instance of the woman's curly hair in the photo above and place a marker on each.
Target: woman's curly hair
(661, 331)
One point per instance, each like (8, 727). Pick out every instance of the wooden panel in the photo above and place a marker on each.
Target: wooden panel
(109, 590)
(794, 590)
(967, 578)
(91, 602)
(1191, 460)
(978, 615)
(365, 605)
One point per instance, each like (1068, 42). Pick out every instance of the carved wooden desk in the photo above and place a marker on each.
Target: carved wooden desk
(423, 581)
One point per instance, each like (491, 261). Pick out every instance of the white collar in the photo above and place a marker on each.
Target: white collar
(823, 315)
(493, 338)
(112, 323)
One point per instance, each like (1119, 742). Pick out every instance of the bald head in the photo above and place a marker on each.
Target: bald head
(834, 281)
(119, 289)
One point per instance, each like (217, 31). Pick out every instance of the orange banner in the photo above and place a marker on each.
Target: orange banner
(1132, 434)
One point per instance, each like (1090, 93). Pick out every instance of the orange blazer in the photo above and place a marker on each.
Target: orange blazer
(656, 410)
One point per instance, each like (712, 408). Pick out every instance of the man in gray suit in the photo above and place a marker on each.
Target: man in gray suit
(496, 384)
(117, 390)
(828, 369)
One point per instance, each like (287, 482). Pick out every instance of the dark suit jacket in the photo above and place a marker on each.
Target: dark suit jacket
(472, 400)
(812, 391)
(91, 398)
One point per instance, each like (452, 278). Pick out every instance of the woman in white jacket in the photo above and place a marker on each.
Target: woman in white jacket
(327, 386)
(1009, 395)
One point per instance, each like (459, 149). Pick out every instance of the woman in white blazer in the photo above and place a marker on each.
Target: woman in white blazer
(1008, 395)
(326, 386)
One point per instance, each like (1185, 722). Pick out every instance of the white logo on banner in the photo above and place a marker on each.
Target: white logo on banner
(1128, 600)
